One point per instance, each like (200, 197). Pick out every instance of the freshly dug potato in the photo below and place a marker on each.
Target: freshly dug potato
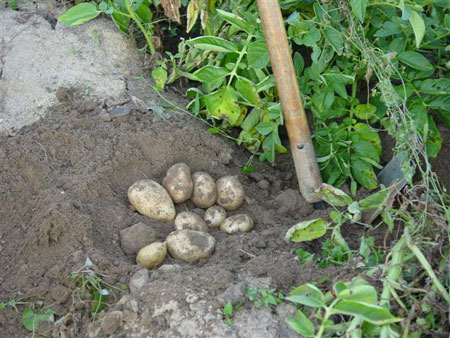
(230, 193)
(215, 215)
(204, 194)
(190, 221)
(152, 255)
(178, 182)
(152, 200)
(237, 223)
(190, 245)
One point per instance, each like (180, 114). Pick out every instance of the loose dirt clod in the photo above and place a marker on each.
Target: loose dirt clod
(134, 238)
(111, 322)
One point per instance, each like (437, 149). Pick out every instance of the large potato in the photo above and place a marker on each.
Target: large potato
(152, 255)
(190, 245)
(190, 221)
(230, 193)
(215, 215)
(237, 223)
(178, 182)
(204, 194)
(152, 200)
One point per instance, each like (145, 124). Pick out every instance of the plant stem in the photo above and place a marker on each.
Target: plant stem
(325, 318)
(140, 25)
(241, 55)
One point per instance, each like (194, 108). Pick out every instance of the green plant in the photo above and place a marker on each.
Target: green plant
(33, 314)
(264, 298)
(320, 314)
(88, 281)
(122, 12)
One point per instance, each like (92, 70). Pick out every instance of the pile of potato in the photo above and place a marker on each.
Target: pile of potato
(190, 241)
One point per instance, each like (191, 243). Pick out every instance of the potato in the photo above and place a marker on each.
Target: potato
(204, 194)
(152, 200)
(189, 221)
(215, 215)
(152, 255)
(237, 223)
(190, 245)
(230, 193)
(178, 182)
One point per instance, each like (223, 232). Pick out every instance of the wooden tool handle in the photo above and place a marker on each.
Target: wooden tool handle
(306, 167)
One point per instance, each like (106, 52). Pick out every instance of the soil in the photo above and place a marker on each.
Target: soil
(63, 198)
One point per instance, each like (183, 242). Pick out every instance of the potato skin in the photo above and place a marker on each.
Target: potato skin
(152, 255)
(204, 194)
(178, 182)
(152, 200)
(230, 192)
(190, 221)
(190, 245)
(215, 215)
(237, 223)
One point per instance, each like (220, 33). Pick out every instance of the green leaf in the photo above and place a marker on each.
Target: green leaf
(228, 308)
(434, 139)
(333, 196)
(359, 8)
(31, 320)
(247, 89)
(160, 76)
(372, 313)
(213, 43)
(389, 28)
(365, 149)
(251, 120)
(301, 324)
(235, 20)
(121, 21)
(363, 173)
(334, 37)
(435, 87)
(79, 14)
(307, 294)
(367, 133)
(223, 105)
(211, 77)
(365, 111)
(257, 54)
(418, 26)
(265, 128)
(360, 293)
(214, 130)
(144, 13)
(415, 60)
(441, 103)
(307, 230)
(375, 200)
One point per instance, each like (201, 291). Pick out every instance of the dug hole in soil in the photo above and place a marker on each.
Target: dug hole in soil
(63, 198)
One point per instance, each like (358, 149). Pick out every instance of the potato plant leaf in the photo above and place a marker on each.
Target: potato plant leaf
(415, 60)
(160, 76)
(235, 20)
(222, 104)
(31, 319)
(307, 294)
(371, 313)
(418, 26)
(307, 230)
(257, 54)
(213, 44)
(301, 324)
(333, 196)
(79, 14)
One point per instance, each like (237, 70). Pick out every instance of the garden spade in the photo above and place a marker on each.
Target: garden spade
(306, 166)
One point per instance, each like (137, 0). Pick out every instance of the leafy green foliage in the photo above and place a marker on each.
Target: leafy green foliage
(263, 297)
(31, 319)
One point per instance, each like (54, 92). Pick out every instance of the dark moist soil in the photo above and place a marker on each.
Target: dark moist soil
(63, 197)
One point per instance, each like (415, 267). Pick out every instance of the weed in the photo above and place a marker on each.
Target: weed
(263, 298)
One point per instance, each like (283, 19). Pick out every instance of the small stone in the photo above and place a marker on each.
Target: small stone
(192, 298)
(190, 245)
(132, 305)
(138, 280)
(234, 293)
(105, 116)
(93, 329)
(261, 273)
(169, 268)
(129, 316)
(111, 322)
(263, 184)
(134, 238)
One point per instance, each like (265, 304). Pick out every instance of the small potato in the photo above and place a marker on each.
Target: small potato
(230, 193)
(215, 215)
(152, 200)
(152, 255)
(189, 221)
(190, 245)
(178, 182)
(237, 223)
(204, 194)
